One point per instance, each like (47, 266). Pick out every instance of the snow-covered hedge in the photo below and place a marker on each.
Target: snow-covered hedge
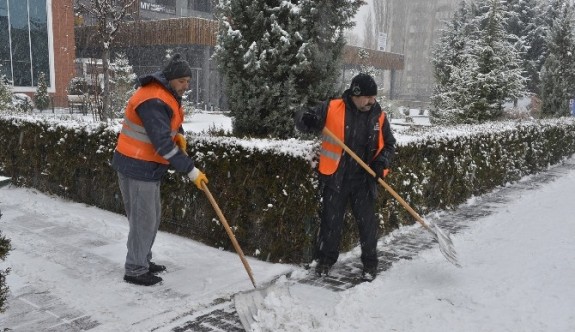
(442, 167)
(5, 248)
(267, 189)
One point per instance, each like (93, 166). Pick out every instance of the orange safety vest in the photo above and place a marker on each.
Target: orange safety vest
(133, 140)
(330, 153)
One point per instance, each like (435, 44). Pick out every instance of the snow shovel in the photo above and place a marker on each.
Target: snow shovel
(227, 228)
(229, 231)
(249, 302)
(445, 244)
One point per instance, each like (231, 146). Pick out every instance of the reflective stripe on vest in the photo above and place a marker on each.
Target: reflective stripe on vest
(133, 140)
(330, 152)
(138, 132)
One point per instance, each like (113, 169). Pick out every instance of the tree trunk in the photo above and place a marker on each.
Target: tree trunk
(106, 112)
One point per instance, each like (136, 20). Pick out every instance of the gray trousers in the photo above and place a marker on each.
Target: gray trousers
(143, 209)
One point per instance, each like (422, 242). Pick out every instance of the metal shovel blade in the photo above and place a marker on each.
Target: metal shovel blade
(445, 245)
(249, 303)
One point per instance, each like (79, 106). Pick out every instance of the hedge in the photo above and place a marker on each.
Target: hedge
(268, 189)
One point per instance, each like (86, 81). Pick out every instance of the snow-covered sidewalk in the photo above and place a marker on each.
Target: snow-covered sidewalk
(518, 274)
(67, 269)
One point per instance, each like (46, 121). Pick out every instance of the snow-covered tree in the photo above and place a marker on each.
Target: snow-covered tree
(41, 96)
(5, 94)
(500, 75)
(558, 73)
(109, 16)
(476, 66)
(448, 55)
(122, 83)
(277, 56)
(525, 23)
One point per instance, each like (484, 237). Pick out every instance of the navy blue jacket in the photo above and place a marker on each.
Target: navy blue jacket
(359, 137)
(156, 117)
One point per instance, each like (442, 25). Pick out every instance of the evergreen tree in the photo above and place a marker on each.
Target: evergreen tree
(122, 84)
(5, 94)
(525, 23)
(499, 68)
(41, 97)
(449, 55)
(277, 56)
(558, 73)
(476, 66)
(551, 10)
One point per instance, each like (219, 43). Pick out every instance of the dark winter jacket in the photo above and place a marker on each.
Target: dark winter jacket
(358, 137)
(156, 116)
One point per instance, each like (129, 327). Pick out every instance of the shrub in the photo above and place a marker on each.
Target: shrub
(5, 247)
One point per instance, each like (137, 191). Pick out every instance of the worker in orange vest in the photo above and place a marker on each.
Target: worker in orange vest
(151, 140)
(358, 120)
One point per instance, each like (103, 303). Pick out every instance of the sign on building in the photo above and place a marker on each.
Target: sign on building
(168, 7)
(382, 41)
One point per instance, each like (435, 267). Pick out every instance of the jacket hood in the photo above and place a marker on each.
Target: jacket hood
(149, 78)
(160, 78)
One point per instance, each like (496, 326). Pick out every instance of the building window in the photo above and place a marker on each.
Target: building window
(24, 32)
(200, 5)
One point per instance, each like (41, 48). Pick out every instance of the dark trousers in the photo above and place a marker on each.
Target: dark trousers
(334, 206)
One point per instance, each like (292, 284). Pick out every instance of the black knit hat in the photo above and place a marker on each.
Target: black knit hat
(363, 85)
(177, 68)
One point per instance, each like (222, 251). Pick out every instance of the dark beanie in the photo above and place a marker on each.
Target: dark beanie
(177, 68)
(363, 85)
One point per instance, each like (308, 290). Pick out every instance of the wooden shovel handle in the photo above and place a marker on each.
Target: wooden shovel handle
(229, 231)
(227, 228)
(380, 180)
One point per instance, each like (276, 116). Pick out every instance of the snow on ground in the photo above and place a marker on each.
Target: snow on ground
(199, 122)
(517, 274)
(76, 253)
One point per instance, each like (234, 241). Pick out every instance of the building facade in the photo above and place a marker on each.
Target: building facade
(37, 37)
(412, 28)
(146, 43)
(165, 9)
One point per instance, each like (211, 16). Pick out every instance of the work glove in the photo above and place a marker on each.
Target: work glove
(198, 177)
(310, 119)
(381, 165)
(378, 167)
(180, 141)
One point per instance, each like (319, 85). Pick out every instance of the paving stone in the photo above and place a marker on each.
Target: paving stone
(31, 309)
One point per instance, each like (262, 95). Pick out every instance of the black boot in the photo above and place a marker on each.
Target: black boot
(146, 279)
(322, 269)
(369, 273)
(156, 268)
